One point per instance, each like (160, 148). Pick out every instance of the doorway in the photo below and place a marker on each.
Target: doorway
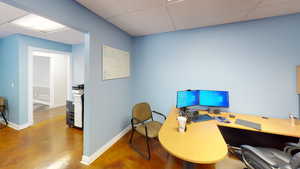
(41, 87)
(49, 83)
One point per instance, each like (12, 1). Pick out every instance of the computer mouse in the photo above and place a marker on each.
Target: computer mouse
(231, 116)
(222, 119)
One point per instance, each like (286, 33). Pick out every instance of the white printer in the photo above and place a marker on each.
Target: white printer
(75, 109)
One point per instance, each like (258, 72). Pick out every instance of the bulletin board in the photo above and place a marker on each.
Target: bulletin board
(116, 63)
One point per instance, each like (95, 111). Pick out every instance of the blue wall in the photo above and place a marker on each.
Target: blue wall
(14, 57)
(77, 60)
(24, 43)
(107, 103)
(255, 61)
(9, 61)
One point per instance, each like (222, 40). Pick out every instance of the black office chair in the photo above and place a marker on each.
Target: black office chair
(269, 158)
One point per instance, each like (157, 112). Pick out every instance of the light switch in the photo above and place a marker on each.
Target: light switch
(12, 84)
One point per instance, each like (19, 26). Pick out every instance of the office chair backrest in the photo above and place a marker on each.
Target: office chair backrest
(142, 111)
(2, 104)
(252, 161)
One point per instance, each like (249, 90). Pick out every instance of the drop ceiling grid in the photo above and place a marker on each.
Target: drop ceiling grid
(10, 13)
(154, 20)
(186, 14)
(275, 8)
(114, 8)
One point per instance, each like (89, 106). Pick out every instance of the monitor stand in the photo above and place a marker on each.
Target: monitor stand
(213, 110)
(182, 111)
(196, 108)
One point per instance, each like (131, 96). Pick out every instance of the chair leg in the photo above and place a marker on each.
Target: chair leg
(4, 118)
(131, 136)
(148, 148)
(148, 156)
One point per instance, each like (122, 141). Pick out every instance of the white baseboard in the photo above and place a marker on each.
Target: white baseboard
(87, 160)
(14, 125)
(58, 105)
(41, 102)
(18, 127)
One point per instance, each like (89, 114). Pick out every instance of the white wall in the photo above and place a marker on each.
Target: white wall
(41, 71)
(59, 79)
(58, 67)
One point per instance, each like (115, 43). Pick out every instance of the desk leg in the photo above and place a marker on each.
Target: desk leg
(188, 165)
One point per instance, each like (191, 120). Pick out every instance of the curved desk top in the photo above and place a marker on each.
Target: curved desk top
(202, 143)
(277, 126)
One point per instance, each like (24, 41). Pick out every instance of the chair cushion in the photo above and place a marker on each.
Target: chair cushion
(153, 128)
(2, 104)
(281, 158)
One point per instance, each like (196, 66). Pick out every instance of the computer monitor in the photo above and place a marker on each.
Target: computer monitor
(187, 98)
(211, 98)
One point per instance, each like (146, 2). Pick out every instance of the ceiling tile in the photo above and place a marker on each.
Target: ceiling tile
(154, 20)
(69, 36)
(9, 13)
(132, 15)
(110, 8)
(16, 29)
(270, 8)
(198, 13)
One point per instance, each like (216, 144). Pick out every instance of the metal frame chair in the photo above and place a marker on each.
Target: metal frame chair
(142, 122)
(2, 109)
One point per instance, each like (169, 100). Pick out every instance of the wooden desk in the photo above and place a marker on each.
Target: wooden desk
(203, 142)
(270, 125)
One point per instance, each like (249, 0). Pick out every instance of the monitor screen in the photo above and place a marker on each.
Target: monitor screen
(187, 98)
(212, 98)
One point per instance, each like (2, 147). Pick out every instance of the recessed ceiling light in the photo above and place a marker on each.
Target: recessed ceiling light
(174, 1)
(38, 23)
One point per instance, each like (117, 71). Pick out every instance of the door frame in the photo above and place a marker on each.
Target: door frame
(32, 49)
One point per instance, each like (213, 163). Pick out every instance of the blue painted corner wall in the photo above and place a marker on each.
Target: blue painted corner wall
(77, 61)
(9, 68)
(107, 103)
(14, 71)
(24, 43)
(255, 61)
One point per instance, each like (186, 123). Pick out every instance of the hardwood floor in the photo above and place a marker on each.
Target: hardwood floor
(45, 113)
(52, 145)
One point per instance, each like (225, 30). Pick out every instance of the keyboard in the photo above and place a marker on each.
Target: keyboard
(249, 124)
(222, 119)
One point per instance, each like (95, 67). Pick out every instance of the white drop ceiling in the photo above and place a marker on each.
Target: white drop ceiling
(9, 13)
(144, 17)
